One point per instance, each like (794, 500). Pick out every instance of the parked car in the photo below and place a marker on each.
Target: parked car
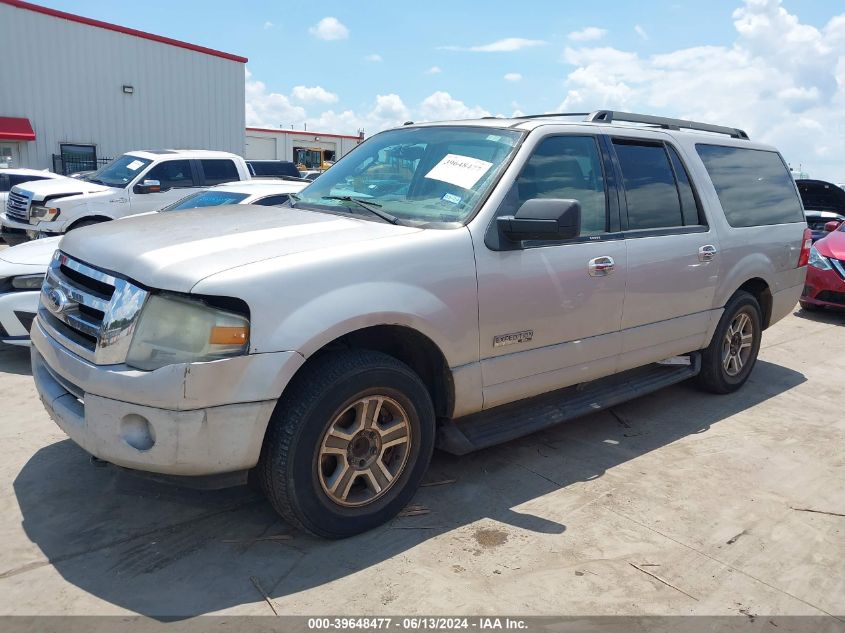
(457, 283)
(823, 202)
(12, 176)
(273, 168)
(133, 183)
(825, 286)
(311, 174)
(22, 267)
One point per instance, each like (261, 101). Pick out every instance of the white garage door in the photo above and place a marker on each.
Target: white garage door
(260, 148)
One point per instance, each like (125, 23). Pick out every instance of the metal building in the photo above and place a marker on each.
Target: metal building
(75, 91)
(302, 147)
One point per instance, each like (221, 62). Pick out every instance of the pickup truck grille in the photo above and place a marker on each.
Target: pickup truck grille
(17, 207)
(90, 312)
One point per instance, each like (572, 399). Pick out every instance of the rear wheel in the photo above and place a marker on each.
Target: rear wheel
(727, 362)
(348, 444)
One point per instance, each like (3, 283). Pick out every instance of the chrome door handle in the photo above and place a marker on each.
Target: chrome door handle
(706, 253)
(601, 266)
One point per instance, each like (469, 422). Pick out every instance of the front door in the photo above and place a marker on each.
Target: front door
(550, 312)
(176, 178)
(9, 156)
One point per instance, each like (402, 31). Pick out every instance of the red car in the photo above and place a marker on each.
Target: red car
(825, 285)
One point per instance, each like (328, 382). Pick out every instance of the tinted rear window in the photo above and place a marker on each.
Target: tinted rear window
(219, 171)
(650, 189)
(754, 186)
(274, 168)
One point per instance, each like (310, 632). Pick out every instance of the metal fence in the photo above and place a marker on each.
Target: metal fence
(71, 163)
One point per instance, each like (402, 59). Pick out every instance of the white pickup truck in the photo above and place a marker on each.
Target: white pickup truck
(136, 182)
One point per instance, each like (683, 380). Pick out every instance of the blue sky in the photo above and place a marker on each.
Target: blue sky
(775, 68)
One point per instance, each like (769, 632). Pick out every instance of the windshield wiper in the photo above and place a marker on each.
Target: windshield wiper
(372, 207)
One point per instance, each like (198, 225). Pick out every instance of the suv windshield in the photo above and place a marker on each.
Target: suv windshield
(206, 199)
(119, 172)
(422, 175)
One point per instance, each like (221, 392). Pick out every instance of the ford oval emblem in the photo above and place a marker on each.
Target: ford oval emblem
(56, 300)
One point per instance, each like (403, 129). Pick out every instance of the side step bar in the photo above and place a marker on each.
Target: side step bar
(513, 420)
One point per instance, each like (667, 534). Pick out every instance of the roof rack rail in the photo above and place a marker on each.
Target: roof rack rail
(609, 116)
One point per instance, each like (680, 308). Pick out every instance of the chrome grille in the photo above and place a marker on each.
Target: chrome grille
(17, 207)
(90, 312)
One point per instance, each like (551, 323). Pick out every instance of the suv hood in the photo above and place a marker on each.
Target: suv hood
(820, 195)
(40, 189)
(34, 253)
(176, 250)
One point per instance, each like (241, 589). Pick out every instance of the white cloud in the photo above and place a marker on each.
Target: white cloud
(587, 34)
(506, 45)
(268, 25)
(781, 80)
(374, 57)
(640, 31)
(311, 94)
(329, 28)
(269, 109)
(440, 106)
(513, 77)
(434, 70)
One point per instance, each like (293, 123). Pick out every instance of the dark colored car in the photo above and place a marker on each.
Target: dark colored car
(272, 168)
(823, 202)
(825, 285)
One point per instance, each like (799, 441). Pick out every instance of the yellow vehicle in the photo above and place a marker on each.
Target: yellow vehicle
(307, 158)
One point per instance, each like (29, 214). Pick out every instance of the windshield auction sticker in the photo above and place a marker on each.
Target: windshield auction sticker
(463, 171)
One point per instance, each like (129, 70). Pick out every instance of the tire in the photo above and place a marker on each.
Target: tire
(321, 466)
(719, 374)
(810, 307)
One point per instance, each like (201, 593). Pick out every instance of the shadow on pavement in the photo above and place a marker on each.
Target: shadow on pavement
(168, 552)
(827, 315)
(15, 360)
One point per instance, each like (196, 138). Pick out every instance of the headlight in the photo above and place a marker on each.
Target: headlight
(28, 282)
(818, 261)
(175, 330)
(43, 214)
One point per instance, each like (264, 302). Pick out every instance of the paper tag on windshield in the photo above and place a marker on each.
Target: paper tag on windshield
(462, 171)
(135, 164)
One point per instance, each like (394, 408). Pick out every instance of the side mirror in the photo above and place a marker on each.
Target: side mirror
(543, 219)
(832, 225)
(148, 186)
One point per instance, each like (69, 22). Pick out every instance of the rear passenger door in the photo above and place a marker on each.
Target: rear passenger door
(673, 254)
(548, 316)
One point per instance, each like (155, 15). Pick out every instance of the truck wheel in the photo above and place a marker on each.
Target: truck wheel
(83, 223)
(727, 362)
(348, 444)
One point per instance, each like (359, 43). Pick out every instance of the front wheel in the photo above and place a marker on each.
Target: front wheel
(727, 362)
(348, 444)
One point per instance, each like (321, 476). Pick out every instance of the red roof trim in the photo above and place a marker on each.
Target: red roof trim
(16, 129)
(122, 29)
(303, 132)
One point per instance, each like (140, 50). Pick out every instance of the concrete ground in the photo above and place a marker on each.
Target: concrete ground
(677, 503)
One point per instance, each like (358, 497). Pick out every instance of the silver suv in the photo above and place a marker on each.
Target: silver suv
(452, 284)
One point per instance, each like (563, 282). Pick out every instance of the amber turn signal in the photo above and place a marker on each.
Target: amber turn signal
(222, 335)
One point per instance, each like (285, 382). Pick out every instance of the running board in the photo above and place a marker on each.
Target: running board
(510, 421)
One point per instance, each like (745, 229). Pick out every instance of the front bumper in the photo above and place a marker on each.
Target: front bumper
(824, 288)
(195, 419)
(17, 311)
